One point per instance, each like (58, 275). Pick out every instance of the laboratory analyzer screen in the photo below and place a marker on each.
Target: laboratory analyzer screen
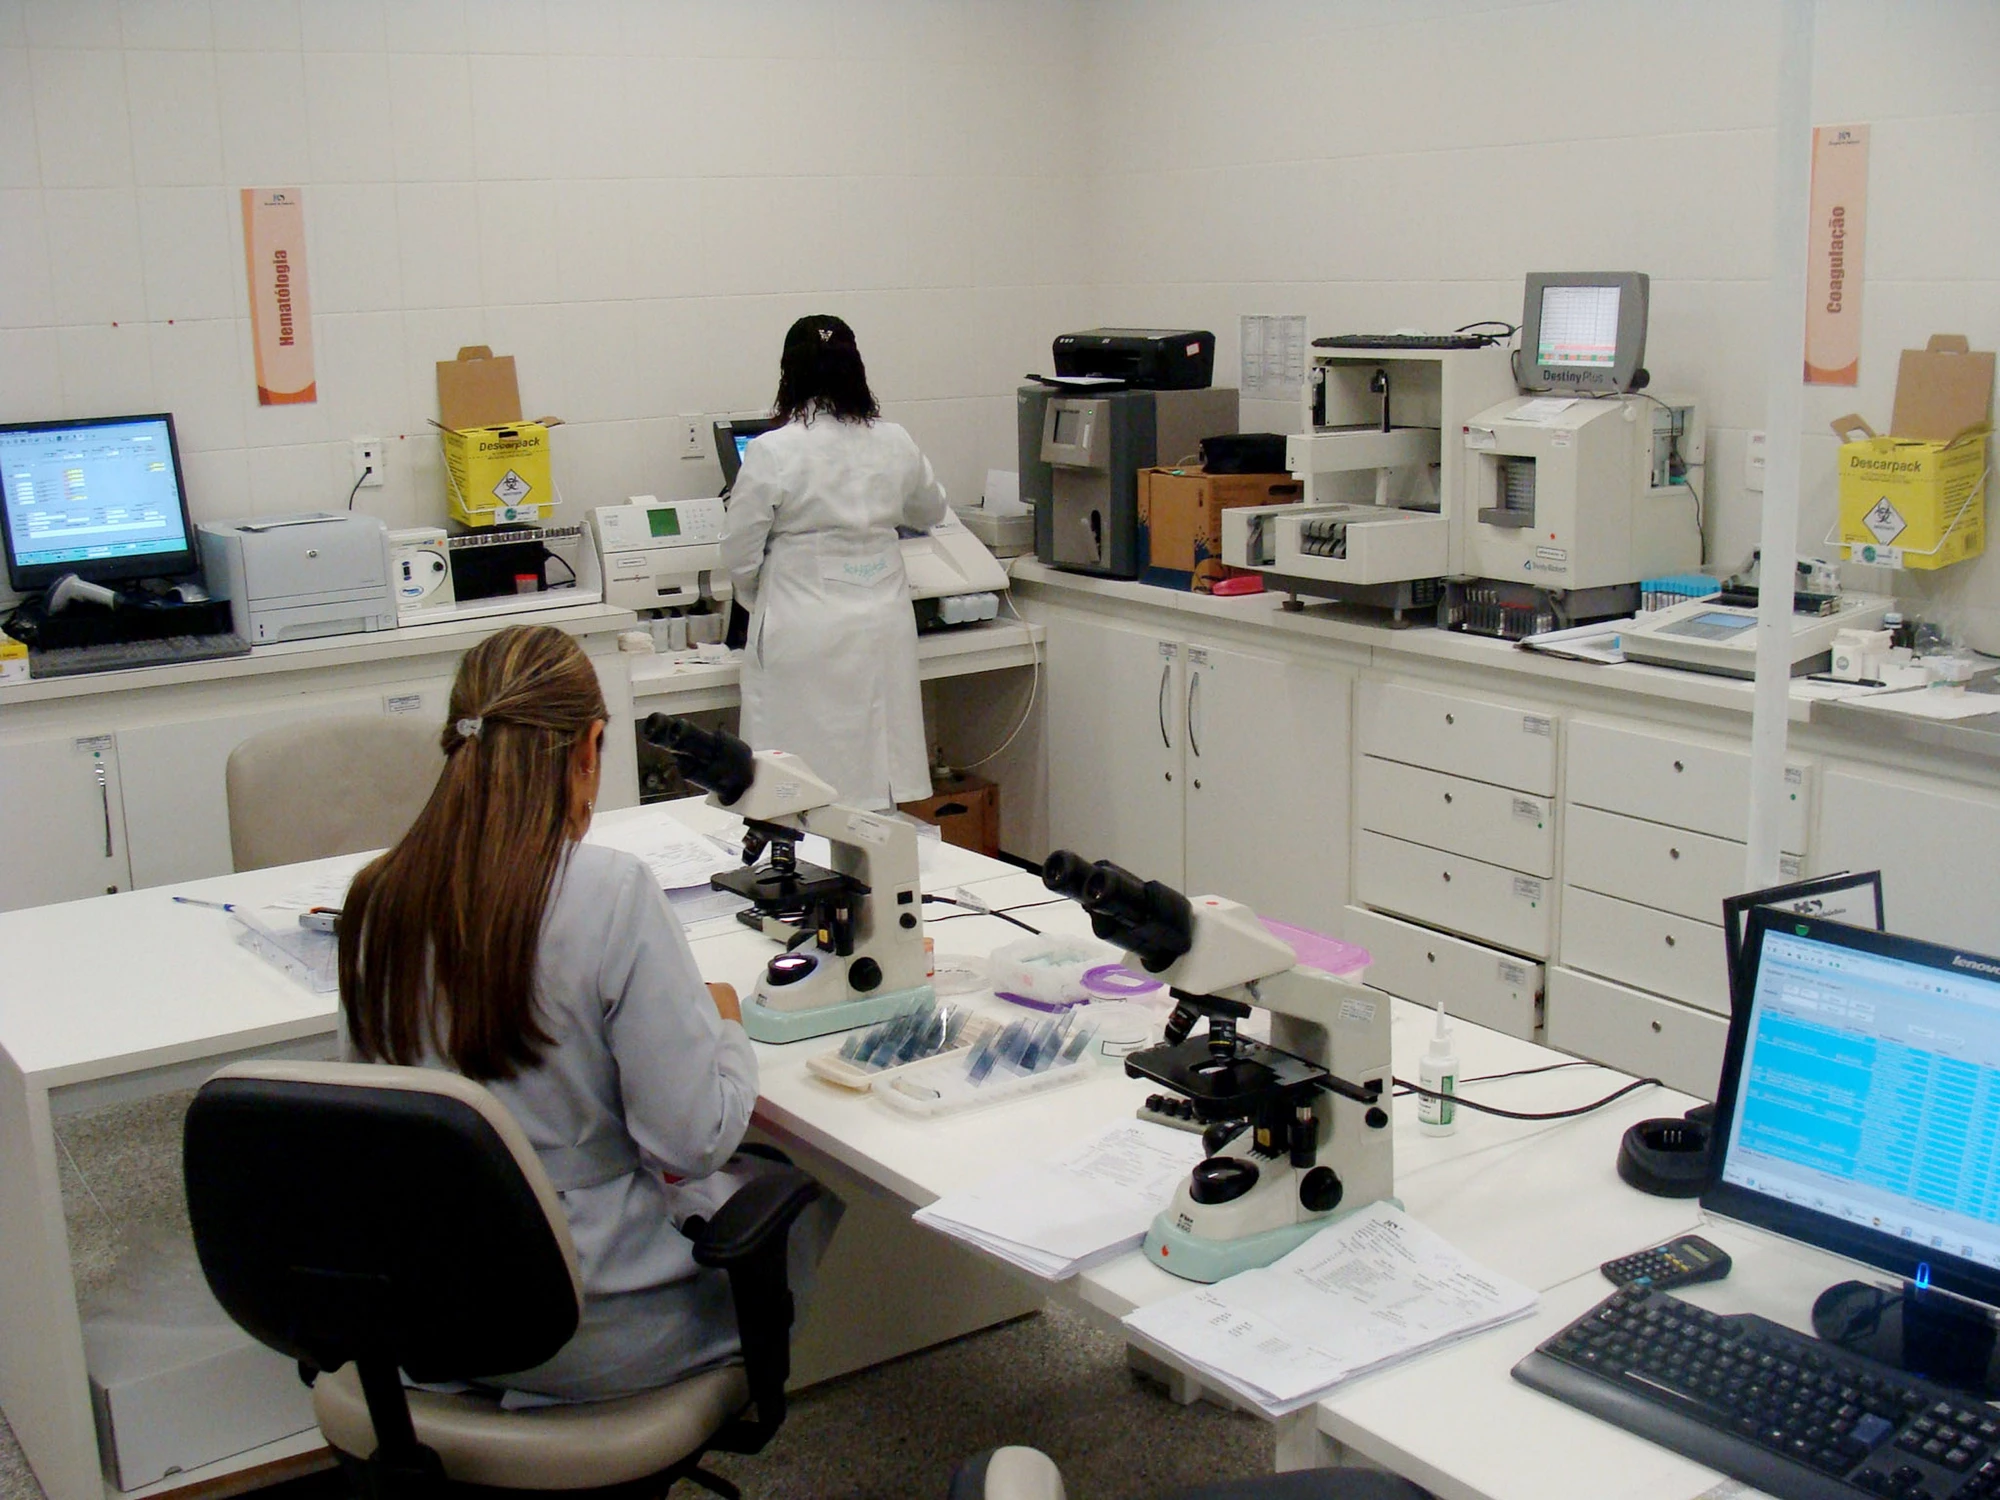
(1870, 1092)
(91, 493)
(1579, 327)
(664, 522)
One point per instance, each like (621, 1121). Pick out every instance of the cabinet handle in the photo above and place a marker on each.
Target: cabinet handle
(1447, 877)
(1197, 783)
(1678, 768)
(1451, 718)
(104, 797)
(1656, 1028)
(1194, 713)
(1447, 799)
(1166, 671)
(1673, 854)
(1670, 940)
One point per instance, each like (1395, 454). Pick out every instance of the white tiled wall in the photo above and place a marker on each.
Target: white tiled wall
(633, 197)
(1378, 166)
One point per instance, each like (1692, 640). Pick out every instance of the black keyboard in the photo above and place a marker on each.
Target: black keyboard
(1406, 341)
(1777, 1409)
(119, 656)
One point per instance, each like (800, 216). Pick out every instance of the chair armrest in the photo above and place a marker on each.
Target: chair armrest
(757, 1216)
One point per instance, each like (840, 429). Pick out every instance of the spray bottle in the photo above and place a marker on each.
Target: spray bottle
(1438, 1071)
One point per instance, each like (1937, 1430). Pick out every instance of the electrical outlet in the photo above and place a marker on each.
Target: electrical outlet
(370, 467)
(691, 444)
(1753, 462)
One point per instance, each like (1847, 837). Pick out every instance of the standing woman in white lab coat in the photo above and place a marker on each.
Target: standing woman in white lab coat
(830, 662)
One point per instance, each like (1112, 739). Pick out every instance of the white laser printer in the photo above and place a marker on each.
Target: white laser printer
(291, 578)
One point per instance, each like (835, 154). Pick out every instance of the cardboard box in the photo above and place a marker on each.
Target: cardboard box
(13, 660)
(496, 465)
(1180, 514)
(1917, 498)
(965, 810)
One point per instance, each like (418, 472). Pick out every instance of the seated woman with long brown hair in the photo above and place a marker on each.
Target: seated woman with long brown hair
(493, 942)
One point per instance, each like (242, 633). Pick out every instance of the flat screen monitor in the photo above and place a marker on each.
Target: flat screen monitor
(732, 436)
(1584, 331)
(101, 498)
(1860, 1100)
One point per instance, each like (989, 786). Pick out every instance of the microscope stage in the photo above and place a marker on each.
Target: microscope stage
(1223, 1088)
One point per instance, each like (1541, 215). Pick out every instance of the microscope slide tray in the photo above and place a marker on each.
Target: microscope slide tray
(849, 1074)
(939, 1086)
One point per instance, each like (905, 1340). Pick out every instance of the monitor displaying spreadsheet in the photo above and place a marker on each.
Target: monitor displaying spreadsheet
(1583, 331)
(1863, 1099)
(101, 498)
(1579, 326)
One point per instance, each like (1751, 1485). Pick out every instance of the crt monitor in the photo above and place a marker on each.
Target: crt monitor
(1583, 331)
(732, 436)
(1858, 1111)
(101, 498)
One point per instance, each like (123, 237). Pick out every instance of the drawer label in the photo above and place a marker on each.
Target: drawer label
(1528, 810)
(1791, 866)
(1537, 724)
(1169, 650)
(1197, 656)
(1527, 888)
(1513, 973)
(1795, 775)
(94, 744)
(1357, 1010)
(403, 703)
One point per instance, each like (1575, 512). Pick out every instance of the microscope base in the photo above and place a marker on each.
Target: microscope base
(1193, 1258)
(766, 1024)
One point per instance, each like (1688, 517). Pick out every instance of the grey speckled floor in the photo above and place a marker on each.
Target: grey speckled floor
(1053, 1381)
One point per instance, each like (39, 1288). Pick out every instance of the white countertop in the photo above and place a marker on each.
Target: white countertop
(322, 651)
(1363, 629)
(941, 653)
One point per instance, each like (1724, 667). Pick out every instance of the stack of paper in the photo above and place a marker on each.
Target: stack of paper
(1057, 1218)
(1364, 1292)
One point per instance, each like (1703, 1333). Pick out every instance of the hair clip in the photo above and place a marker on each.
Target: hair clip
(468, 729)
(826, 335)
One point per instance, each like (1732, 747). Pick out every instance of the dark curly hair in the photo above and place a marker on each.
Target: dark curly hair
(821, 371)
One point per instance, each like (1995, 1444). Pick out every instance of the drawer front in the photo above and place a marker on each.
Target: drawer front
(1511, 747)
(1493, 823)
(1655, 950)
(1454, 892)
(1670, 868)
(1677, 782)
(1477, 983)
(1642, 1034)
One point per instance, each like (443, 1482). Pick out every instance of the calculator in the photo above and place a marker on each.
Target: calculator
(1681, 1262)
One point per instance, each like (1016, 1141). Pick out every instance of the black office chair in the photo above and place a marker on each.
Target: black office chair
(366, 1220)
(1030, 1474)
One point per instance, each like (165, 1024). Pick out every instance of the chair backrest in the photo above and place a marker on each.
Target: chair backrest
(358, 1211)
(334, 785)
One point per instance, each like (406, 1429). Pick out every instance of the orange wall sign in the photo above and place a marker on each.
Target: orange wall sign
(274, 248)
(1833, 271)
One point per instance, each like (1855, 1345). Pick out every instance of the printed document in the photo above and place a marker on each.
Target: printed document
(1364, 1292)
(1060, 1217)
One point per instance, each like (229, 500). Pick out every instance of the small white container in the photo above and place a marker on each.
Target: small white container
(1438, 1072)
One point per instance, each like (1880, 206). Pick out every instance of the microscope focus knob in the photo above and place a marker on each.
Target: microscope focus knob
(864, 974)
(1221, 1179)
(1320, 1190)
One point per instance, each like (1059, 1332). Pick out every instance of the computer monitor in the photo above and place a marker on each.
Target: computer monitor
(1858, 1111)
(1583, 331)
(732, 436)
(101, 498)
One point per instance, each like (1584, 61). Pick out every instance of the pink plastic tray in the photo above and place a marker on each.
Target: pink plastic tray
(1317, 950)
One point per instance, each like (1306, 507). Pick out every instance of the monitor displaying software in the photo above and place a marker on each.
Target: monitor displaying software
(1861, 1100)
(101, 498)
(1583, 331)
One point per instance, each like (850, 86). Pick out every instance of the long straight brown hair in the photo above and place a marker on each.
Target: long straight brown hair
(438, 937)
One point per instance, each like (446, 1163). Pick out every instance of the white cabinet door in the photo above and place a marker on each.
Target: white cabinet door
(62, 821)
(1937, 846)
(1116, 700)
(1266, 772)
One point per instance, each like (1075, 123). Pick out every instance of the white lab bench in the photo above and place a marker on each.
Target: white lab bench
(127, 767)
(124, 995)
(1543, 844)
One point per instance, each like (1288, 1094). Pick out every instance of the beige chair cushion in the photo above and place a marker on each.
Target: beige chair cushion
(336, 785)
(574, 1447)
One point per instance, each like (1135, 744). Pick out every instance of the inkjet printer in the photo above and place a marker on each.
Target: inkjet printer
(1152, 359)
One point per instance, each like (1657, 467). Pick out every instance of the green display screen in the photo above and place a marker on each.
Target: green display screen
(666, 521)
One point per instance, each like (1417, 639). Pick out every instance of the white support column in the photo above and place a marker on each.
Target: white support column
(1785, 378)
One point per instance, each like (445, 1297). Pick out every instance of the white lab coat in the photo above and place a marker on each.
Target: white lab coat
(830, 665)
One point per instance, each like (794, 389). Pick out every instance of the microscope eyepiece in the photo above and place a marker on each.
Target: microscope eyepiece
(1065, 874)
(1153, 920)
(714, 759)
